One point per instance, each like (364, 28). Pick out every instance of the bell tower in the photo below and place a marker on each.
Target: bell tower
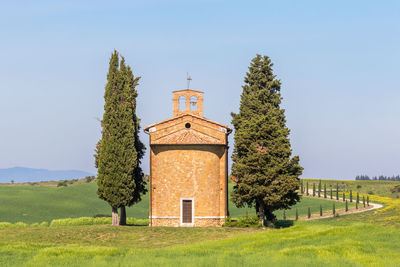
(187, 101)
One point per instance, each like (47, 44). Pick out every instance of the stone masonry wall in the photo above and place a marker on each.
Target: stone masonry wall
(188, 171)
(198, 222)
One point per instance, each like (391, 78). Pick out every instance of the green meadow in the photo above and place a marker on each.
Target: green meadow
(32, 204)
(307, 243)
(365, 239)
(381, 188)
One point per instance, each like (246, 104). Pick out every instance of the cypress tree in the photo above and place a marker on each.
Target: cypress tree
(319, 188)
(364, 201)
(268, 177)
(368, 201)
(347, 206)
(331, 193)
(302, 187)
(313, 190)
(358, 198)
(351, 196)
(325, 190)
(297, 214)
(333, 209)
(307, 189)
(337, 191)
(344, 196)
(320, 210)
(309, 213)
(119, 151)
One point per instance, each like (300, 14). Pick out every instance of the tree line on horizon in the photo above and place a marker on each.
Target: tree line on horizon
(378, 178)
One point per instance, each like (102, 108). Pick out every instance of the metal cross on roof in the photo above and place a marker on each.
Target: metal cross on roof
(188, 80)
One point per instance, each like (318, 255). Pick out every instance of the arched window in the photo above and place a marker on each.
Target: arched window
(193, 103)
(182, 103)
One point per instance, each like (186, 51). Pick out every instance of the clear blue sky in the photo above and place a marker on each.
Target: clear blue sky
(339, 63)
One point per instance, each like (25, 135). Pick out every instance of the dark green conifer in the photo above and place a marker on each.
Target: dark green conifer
(307, 189)
(320, 210)
(344, 196)
(331, 193)
(351, 196)
(347, 206)
(358, 198)
(364, 201)
(337, 191)
(368, 201)
(319, 188)
(313, 190)
(268, 177)
(309, 213)
(325, 190)
(119, 151)
(333, 209)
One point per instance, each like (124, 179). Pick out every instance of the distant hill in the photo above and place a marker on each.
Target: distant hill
(21, 174)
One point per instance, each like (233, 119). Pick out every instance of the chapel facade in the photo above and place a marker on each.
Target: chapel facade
(188, 166)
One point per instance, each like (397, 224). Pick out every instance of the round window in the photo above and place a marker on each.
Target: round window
(187, 125)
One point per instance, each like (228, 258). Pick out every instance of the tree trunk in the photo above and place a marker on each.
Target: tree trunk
(122, 219)
(270, 217)
(261, 214)
(115, 217)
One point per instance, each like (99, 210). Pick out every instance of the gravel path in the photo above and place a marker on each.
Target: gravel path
(372, 206)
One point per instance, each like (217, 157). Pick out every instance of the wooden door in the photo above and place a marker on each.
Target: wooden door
(187, 211)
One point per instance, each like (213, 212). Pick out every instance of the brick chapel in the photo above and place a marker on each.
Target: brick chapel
(188, 166)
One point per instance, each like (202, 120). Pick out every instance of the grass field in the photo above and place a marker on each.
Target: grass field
(381, 188)
(308, 243)
(365, 239)
(31, 204)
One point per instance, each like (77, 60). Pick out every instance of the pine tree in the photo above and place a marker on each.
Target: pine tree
(319, 188)
(268, 177)
(337, 191)
(333, 209)
(119, 151)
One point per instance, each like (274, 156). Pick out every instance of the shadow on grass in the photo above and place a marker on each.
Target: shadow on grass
(283, 223)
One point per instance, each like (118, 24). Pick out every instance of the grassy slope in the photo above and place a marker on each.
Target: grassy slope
(381, 188)
(367, 239)
(32, 204)
(39, 203)
(318, 243)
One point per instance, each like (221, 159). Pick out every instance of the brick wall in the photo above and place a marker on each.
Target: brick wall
(188, 171)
